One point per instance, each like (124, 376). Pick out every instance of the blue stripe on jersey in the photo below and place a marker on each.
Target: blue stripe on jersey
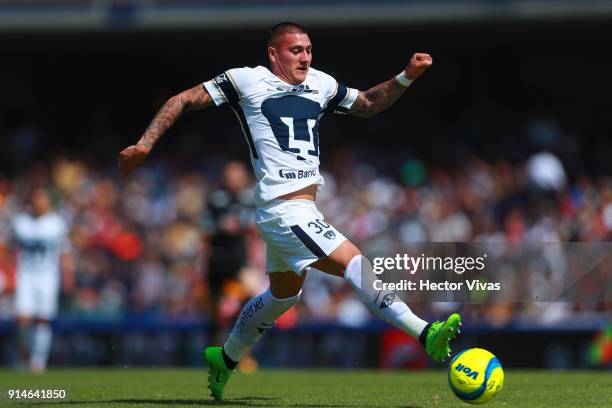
(227, 87)
(245, 128)
(338, 98)
(307, 241)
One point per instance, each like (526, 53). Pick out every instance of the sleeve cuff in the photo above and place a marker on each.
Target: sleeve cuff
(350, 98)
(215, 93)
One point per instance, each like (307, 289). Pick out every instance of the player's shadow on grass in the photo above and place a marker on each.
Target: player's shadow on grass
(244, 402)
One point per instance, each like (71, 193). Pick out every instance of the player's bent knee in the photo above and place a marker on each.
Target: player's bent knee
(336, 263)
(344, 254)
(352, 252)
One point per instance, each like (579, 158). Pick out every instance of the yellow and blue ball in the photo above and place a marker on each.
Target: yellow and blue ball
(475, 375)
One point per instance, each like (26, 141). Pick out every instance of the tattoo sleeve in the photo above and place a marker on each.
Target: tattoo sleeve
(191, 99)
(377, 99)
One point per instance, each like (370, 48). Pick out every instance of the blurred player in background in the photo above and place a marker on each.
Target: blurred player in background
(230, 209)
(279, 111)
(41, 238)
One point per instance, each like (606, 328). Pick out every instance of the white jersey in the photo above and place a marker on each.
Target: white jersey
(280, 122)
(40, 241)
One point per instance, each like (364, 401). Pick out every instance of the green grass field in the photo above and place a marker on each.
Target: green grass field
(304, 388)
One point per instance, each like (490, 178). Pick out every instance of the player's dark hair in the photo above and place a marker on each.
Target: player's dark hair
(282, 28)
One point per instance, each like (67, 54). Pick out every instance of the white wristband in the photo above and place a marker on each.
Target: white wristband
(403, 79)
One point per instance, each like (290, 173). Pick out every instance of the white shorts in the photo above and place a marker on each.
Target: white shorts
(296, 234)
(36, 295)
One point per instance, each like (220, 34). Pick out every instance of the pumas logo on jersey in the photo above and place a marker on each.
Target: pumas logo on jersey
(295, 89)
(387, 300)
(330, 235)
(221, 78)
(299, 174)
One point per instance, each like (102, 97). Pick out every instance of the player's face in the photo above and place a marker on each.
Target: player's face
(291, 56)
(40, 202)
(235, 177)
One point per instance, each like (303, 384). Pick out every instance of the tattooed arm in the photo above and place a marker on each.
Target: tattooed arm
(380, 97)
(191, 99)
(377, 99)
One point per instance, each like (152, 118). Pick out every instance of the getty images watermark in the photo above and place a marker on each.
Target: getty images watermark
(411, 264)
(493, 272)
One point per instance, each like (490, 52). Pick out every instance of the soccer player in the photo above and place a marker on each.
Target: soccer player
(279, 111)
(41, 239)
(230, 214)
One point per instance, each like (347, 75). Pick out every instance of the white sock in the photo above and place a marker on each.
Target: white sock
(384, 304)
(254, 320)
(41, 345)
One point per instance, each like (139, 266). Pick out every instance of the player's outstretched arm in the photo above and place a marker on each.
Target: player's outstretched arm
(380, 97)
(191, 99)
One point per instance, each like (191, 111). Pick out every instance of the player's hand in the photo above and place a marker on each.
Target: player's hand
(130, 158)
(417, 65)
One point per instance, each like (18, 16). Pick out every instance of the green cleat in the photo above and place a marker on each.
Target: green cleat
(439, 336)
(218, 373)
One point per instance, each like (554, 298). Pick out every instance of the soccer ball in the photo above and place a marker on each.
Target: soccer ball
(475, 376)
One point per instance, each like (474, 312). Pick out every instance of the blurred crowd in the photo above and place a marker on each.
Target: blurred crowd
(166, 243)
